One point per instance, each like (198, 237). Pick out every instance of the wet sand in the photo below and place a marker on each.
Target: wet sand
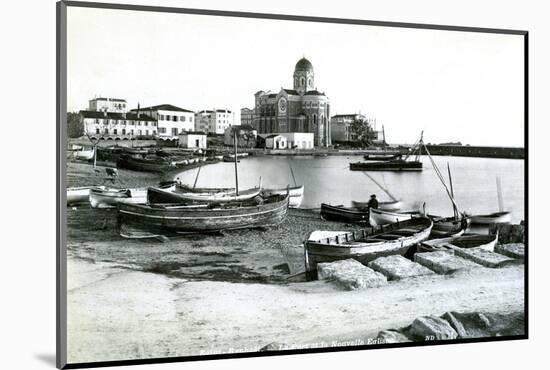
(222, 293)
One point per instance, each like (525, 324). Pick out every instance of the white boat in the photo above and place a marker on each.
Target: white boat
(467, 240)
(85, 154)
(493, 218)
(381, 217)
(78, 195)
(109, 197)
(296, 194)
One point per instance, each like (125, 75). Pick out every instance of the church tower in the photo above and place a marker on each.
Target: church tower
(304, 79)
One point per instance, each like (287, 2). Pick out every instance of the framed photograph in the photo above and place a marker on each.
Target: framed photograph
(240, 184)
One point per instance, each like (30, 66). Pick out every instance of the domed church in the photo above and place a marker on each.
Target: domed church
(301, 109)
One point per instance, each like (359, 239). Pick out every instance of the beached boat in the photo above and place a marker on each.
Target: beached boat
(186, 195)
(390, 205)
(156, 164)
(85, 154)
(448, 226)
(344, 214)
(110, 197)
(467, 240)
(296, 194)
(492, 218)
(365, 245)
(78, 195)
(181, 218)
(381, 217)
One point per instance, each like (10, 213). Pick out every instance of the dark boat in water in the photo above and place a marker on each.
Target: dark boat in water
(201, 217)
(344, 214)
(381, 157)
(365, 245)
(400, 165)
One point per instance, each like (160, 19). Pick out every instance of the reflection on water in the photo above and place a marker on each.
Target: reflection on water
(329, 180)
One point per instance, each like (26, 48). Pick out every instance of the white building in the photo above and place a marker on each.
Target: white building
(275, 141)
(292, 140)
(113, 105)
(171, 120)
(192, 139)
(118, 126)
(213, 121)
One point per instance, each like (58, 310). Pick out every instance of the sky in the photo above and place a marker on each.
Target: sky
(454, 86)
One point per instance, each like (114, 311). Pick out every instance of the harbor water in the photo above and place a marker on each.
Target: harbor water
(329, 180)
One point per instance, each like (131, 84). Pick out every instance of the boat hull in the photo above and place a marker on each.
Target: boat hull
(145, 165)
(110, 197)
(390, 165)
(296, 194)
(79, 195)
(344, 214)
(493, 218)
(333, 246)
(449, 226)
(190, 219)
(486, 242)
(385, 206)
(381, 217)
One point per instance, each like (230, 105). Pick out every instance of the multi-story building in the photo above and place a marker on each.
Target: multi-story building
(117, 126)
(247, 117)
(302, 109)
(213, 121)
(113, 105)
(171, 120)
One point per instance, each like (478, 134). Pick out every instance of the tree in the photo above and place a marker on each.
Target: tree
(361, 131)
(75, 126)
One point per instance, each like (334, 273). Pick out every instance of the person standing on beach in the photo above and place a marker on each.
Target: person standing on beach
(373, 202)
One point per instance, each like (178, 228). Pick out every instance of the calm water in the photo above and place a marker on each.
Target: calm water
(329, 180)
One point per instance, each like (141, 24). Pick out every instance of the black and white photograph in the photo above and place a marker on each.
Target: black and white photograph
(243, 184)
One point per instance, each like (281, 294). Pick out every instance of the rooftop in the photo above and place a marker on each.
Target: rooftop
(168, 107)
(109, 99)
(303, 65)
(112, 115)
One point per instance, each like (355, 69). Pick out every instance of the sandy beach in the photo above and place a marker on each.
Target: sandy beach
(224, 293)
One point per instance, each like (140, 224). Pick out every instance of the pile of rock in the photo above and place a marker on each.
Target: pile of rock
(508, 233)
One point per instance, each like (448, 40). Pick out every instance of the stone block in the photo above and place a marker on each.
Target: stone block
(443, 262)
(483, 257)
(391, 336)
(350, 274)
(398, 267)
(512, 250)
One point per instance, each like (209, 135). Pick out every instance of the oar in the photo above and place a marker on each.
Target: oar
(197, 177)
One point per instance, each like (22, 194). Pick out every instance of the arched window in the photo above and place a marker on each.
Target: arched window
(309, 82)
(302, 82)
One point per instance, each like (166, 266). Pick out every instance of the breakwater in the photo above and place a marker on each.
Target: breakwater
(477, 151)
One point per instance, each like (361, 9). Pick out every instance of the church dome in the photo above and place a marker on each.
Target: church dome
(303, 65)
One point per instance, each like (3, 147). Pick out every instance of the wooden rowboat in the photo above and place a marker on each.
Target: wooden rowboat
(85, 154)
(79, 195)
(449, 226)
(468, 240)
(390, 205)
(344, 214)
(296, 194)
(493, 218)
(158, 195)
(178, 218)
(158, 164)
(366, 245)
(110, 197)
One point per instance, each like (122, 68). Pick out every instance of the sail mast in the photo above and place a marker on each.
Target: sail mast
(455, 211)
(499, 194)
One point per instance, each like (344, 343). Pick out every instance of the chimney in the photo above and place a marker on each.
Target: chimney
(138, 112)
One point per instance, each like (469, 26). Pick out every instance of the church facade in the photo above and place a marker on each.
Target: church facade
(302, 109)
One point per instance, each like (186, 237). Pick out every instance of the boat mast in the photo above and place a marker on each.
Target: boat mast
(440, 176)
(499, 194)
(455, 211)
(384, 137)
(236, 175)
(292, 173)
(197, 177)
